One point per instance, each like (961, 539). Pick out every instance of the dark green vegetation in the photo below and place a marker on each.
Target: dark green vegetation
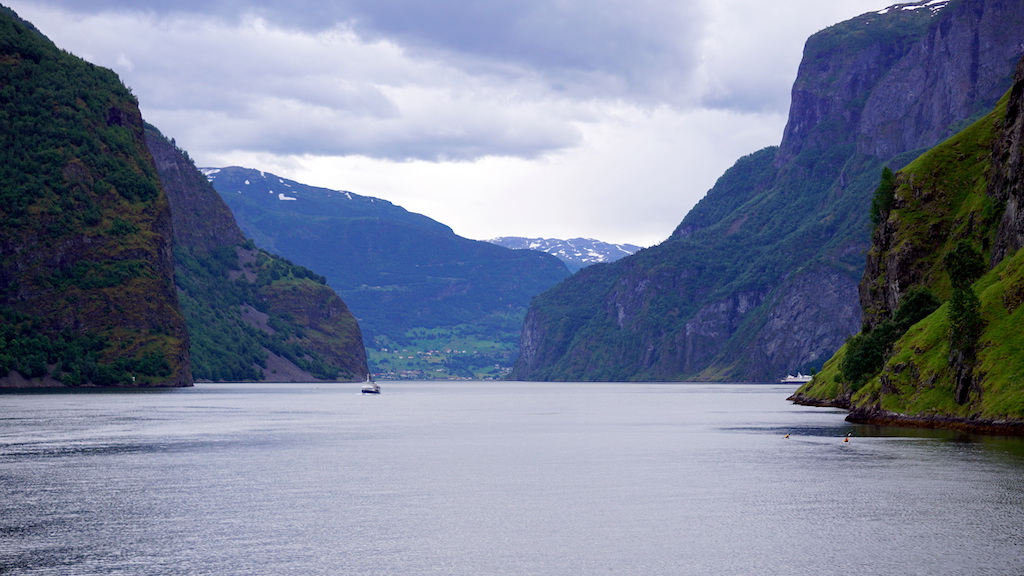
(881, 203)
(953, 229)
(238, 325)
(251, 315)
(866, 351)
(964, 265)
(760, 278)
(455, 305)
(86, 277)
(69, 358)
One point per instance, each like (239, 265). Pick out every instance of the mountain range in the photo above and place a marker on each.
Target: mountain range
(121, 264)
(430, 303)
(577, 253)
(760, 279)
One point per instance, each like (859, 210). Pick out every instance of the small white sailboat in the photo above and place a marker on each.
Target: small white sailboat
(370, 386)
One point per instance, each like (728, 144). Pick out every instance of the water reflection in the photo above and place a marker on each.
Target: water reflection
(497, 478)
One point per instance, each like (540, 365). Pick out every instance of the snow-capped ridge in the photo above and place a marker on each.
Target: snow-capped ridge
(934, 5)
(576, 252)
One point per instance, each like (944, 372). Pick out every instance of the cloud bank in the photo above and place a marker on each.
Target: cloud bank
(508, 117)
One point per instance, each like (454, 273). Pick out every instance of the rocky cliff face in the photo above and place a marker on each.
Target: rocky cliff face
(956, 71)
(945, 64)
(1006, 180)
(756, 280)
(960, 365)
(202, 221)
(86, 272)
(841, 68)
(815, 305)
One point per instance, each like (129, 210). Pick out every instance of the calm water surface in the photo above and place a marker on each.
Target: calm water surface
(492, 479)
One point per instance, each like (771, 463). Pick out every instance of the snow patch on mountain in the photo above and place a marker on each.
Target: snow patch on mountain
(934, 5)
(576, 252)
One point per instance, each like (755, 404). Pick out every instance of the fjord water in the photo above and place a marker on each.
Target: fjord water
(455, 478)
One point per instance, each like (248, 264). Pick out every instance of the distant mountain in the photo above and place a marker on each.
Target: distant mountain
(252, 315)
(760, 278)
(87, 295)
(576, 252)
(430, 303)
(943, 289)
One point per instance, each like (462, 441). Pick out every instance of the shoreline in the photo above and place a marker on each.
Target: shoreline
(879, 417)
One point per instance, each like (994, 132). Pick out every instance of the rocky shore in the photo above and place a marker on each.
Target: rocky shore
(879, 417)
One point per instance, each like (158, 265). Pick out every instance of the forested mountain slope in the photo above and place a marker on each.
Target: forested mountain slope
(411, 281)
(252, 315)
(760, 278)
(86, 273)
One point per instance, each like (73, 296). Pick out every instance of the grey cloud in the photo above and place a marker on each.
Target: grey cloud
(642, 50)
(449, 80)
(636, 43)
(301, 131)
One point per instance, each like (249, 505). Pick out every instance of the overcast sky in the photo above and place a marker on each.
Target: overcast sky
(604, 119)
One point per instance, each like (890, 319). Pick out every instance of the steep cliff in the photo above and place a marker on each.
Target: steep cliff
(252, 315)
(86, 273)
(950, 231)
(1006, 177)
(757, 279)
